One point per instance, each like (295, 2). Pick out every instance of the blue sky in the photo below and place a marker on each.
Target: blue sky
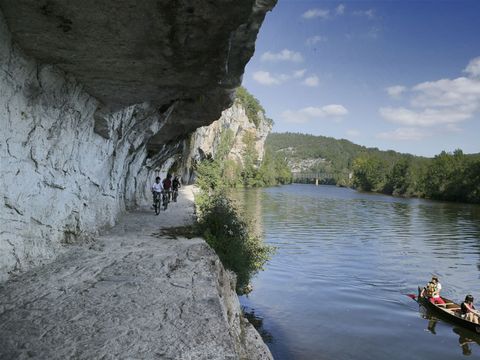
(401, 75)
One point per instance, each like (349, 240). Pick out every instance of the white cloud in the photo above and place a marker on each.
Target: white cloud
(340, 9)
(315, 39)
(334, 110)
(353, 133)
(473, 67)
(308, 113)
(370, 13)
(312, 81)
(440, 104)
(298, 74)
(396, 91)
(315, 13)
(423, 118)
(284, 55)
(372, 33)
(404, 134)
(265, 78)
(459, 92)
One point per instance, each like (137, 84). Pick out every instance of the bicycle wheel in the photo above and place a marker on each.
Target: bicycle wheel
(165, 201)
(157, 204)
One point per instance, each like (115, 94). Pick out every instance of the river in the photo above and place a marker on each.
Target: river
(336, 286)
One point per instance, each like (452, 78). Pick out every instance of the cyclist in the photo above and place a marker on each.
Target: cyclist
(175, 185)
(157, 189)
(167, 185)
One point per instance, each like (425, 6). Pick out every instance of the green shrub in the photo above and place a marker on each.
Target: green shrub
(252, 106)
(239, 249)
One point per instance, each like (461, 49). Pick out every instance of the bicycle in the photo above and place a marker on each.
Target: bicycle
(165, 199)
(174, 195)
(156, 202)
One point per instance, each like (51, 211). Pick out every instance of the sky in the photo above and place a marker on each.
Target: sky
(401, 75)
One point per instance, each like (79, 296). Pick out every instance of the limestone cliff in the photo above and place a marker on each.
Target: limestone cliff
(205, 140)
(96, 95)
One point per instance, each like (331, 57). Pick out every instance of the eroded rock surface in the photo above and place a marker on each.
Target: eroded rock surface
(134, 294)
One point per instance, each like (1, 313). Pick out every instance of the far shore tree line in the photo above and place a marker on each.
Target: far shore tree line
(447, 176)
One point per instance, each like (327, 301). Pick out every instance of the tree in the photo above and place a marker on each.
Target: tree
(252, 106)
(250, 159)
(398, 179)
(368, 173)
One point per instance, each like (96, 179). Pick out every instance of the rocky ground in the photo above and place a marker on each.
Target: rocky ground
(134, 293)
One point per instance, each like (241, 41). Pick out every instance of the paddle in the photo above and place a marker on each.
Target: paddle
(412, 296)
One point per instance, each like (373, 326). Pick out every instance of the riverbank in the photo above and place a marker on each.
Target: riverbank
(132, 293)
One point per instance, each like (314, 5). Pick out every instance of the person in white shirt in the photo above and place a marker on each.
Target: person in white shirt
(157, 188)
(432, 292)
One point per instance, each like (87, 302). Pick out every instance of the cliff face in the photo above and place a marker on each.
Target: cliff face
(205, 140)
(94, 97)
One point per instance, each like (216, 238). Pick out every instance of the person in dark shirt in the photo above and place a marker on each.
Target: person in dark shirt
(175, 185)
(468, 310)
(167, 185)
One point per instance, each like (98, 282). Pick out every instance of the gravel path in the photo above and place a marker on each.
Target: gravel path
(133, 294)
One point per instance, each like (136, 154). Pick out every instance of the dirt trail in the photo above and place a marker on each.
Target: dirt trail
(133, 294)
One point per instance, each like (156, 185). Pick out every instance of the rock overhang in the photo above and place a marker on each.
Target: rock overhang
(181, 56)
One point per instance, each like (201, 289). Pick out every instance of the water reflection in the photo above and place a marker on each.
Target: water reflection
(465, 337)
(249, 202)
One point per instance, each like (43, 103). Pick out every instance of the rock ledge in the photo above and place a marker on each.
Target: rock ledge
(133, 294)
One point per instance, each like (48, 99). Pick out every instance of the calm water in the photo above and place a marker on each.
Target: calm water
(335, 289)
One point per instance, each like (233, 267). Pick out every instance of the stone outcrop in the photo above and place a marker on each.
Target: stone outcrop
(205, 140)
(97, 95)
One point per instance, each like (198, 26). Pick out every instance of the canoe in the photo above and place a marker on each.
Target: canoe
(451, 312)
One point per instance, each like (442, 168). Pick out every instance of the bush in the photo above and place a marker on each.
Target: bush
(252, 106)
(239, 249)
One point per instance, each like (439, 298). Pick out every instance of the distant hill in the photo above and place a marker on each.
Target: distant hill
(310, 153)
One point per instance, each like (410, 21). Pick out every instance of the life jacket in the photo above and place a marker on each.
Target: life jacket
(430, 289)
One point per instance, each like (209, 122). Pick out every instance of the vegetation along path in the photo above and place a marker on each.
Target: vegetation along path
(134, 293)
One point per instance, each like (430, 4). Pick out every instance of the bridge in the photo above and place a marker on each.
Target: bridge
(313, 177)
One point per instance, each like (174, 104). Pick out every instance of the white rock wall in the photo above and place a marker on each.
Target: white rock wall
(205, 140)
(60, 181)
